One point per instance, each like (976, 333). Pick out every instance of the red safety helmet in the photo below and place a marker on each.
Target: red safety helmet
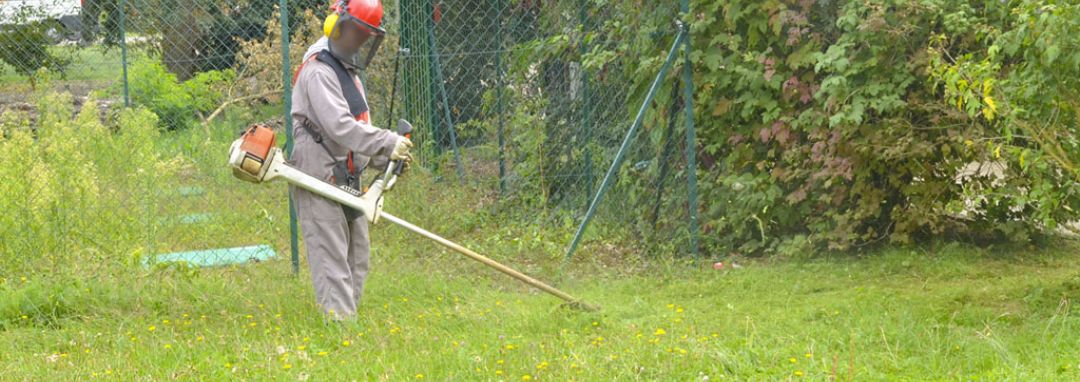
(366, 17)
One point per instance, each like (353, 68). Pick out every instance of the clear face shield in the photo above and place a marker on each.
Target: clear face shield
(355, 42)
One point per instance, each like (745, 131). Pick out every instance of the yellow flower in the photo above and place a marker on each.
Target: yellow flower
(152, 328)
(509, 346)
(543, 365)
(301, 347)
(499, 362)
(228, 365)
(168, 346)
(323, 354)
(526, 377)
(165, 322)
(498, 372)
(660, 332)
(419, 376)
(287, 366)
(798, 373)
(809, 355)
(345, 343)
(594, 323)
(794, 360)
(680, 310)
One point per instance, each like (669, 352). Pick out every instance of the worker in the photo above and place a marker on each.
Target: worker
(335, 141)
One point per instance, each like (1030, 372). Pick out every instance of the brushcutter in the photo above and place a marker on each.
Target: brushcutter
(254, 158)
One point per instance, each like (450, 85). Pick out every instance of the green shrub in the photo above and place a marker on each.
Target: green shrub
(25, 46)
(76, 192)
(843, 124)
(177, 105)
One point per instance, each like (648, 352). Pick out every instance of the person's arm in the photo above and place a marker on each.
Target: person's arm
(331, 113)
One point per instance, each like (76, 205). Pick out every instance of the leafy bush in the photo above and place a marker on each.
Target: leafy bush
(176, 104)
(75, 191)
(25, 47)
(843, 124)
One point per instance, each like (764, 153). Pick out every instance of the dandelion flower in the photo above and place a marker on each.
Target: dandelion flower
(798, 373)
(660, 332)
(152, 328)
(794, 360)
(526, 377)
(345, 343)
(419, 376)
(287, 366)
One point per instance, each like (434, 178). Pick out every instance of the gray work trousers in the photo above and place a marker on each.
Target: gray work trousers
(338, 253)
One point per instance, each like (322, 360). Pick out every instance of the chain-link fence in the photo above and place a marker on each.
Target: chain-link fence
(524, 96)
(170, 83)
(521, 98)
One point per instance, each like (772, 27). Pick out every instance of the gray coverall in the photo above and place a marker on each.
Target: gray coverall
(338, 250)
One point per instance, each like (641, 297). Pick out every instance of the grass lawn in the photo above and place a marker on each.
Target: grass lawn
(947, 313)
(901, 314)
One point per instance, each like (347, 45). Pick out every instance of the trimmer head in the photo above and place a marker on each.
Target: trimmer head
(250, 155)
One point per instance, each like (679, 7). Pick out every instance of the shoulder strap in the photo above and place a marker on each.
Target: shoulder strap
(357, 104)
(317, 137)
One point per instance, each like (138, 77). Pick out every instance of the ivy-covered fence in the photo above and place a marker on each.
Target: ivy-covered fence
(820, 124)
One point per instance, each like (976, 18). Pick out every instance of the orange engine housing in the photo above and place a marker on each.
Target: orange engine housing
(257, 142)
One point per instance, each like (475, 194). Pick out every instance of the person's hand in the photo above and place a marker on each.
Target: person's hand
(401, 150)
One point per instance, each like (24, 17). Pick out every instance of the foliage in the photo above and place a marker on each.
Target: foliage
(177, 104)
(67, 185)
(1016, 71)
(195, 36)
(842, 124)
(25, 46)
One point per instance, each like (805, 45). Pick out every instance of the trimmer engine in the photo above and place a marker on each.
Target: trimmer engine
(250, 155)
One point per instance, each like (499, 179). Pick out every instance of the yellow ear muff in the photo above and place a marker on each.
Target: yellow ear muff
(329, 24)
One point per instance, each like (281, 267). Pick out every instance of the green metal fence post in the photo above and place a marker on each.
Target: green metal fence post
(499, 93)
(123, 50)
(626, 143)
(691, 140)
(286, 79)
(587, 107)
(439, 82)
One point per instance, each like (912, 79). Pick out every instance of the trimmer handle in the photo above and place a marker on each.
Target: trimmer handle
(404, 128)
